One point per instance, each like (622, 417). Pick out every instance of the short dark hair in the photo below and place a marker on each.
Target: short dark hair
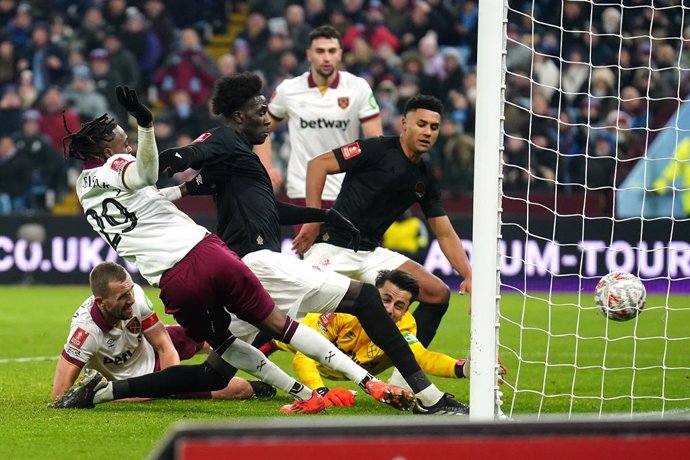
(402, 279)
(90, 141)
(231, 92)
(423, 101)
(101, 276)
(325, 31)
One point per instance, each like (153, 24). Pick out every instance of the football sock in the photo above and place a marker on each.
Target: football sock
(381, 329)
(428, 317)
(172, 381)
(317, 347)
(105, 394)
(249, 359)
(429, 396)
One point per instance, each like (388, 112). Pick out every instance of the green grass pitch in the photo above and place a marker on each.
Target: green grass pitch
(34, 323)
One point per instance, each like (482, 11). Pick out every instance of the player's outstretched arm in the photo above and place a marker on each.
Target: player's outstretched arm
(452, 248)
(318, 168)
(145, 172)
(65, 376)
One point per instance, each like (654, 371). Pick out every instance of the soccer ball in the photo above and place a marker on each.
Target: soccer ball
(620, 296)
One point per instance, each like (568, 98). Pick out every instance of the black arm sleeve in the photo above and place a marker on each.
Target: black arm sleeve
(289, 214)
(177, 159)
(198, 186)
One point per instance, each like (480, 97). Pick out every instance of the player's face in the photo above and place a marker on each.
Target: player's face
(324, 54)
(118, 304)
(255, 121)
(395, 300)
(420, 130)
(119, 144)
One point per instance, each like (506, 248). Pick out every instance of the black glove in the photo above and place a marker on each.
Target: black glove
(178, 159)
(128, 99)
(336, 219)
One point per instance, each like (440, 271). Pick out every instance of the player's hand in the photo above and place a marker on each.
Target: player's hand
(466, 286)
(305, 238)
(339, 397)
(128, 99)
(336, 219)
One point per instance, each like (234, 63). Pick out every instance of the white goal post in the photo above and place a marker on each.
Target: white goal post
(582, 167)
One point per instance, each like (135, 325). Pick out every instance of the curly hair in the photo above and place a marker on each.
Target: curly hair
(89, 142)
(232, 91)
(422, 101)
(401, 279)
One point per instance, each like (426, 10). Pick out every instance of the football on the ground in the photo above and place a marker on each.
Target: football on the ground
(620, 296)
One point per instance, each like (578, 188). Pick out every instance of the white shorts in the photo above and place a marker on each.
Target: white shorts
(362, 265)
(295, 286)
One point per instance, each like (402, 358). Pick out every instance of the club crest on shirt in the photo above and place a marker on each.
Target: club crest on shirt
(78, 337)
(419, 189)
(343, 102)
(134, 325)
(201, 138)
(350, 150)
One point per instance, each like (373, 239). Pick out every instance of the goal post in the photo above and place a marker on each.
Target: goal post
(486, 205)
(582, 167)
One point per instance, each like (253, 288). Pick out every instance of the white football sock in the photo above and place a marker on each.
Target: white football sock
(249, 359)
(317, 347)
(429, 395)
(104, 394)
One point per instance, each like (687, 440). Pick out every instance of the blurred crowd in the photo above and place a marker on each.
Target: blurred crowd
(61, 60)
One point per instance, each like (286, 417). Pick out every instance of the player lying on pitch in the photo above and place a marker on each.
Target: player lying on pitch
(398, 290)
(116, 332)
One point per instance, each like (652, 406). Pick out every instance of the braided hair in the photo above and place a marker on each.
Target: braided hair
(89, 142)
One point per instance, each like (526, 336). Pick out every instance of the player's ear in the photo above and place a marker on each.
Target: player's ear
(237, 117)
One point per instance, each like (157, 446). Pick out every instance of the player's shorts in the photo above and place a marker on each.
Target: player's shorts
(207, 283)
(296, 287)
(360, 265)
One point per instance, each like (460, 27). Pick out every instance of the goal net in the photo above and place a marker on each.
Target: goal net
(593, 176)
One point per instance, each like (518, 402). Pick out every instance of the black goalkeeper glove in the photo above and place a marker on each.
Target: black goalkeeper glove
(178, 159)
(128, 99)
(336, 219)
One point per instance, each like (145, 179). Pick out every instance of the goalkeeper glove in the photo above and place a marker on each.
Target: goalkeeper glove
(337, 396)
(336, 219)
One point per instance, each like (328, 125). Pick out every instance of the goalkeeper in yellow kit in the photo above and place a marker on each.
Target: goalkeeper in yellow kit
(398, 290)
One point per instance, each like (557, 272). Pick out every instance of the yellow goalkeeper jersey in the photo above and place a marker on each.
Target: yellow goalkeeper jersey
(346, 333)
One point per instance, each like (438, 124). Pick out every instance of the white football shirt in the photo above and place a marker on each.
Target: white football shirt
(117, 352)
(318, 123)
(141, 225)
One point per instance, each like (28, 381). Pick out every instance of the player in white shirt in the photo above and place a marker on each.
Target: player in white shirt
(324, 109)
(201, 280)
(116, 332)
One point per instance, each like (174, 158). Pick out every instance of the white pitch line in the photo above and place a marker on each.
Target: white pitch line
(27, 360)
